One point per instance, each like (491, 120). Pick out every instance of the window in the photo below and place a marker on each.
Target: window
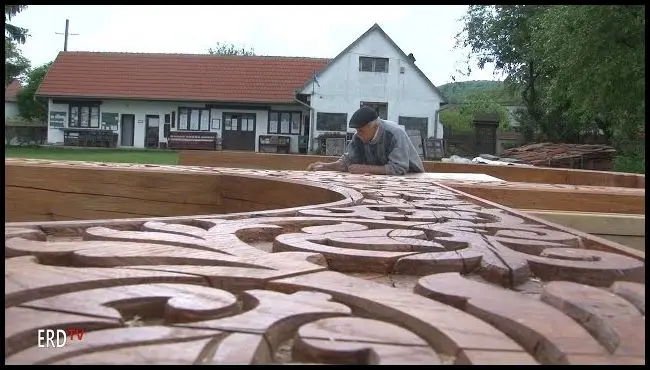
(331, 121)
(84, 115)
(368, 64)
(193, 119)
(243, 122)
(380, 108)
(247, 123)
(205, 120)
(286, 123)
(415, 123)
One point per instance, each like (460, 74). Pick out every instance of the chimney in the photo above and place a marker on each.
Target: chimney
(411, 57)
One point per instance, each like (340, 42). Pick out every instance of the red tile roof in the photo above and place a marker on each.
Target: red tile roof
(182, 77)
(12, 90)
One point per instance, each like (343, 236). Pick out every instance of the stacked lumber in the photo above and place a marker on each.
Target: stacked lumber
(591, 157)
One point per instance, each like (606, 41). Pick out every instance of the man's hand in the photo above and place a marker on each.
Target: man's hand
(316, 166)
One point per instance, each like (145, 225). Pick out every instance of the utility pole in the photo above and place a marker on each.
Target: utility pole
(67, 26)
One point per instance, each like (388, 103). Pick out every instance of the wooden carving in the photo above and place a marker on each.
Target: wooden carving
(396, 270)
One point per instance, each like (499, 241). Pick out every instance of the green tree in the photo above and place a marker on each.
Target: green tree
(15, 64)
(30, 107)
(501, 35)
(460, 117)
(230, 49)
(595, 58)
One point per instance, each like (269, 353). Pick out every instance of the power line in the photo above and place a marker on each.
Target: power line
(67, 26)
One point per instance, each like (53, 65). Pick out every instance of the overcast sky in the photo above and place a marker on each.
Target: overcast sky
(427, 31)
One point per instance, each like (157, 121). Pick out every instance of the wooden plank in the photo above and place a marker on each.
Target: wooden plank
(508, 173)
(544, 175)
(252, 160)
(636, 242)
(597, 223)
(53, 192)
(556, 197)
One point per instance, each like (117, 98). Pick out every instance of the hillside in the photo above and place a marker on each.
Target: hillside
(461, 92)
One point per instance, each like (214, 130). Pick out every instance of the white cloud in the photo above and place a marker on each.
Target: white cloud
(427, 31)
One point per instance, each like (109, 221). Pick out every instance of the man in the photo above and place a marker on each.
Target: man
(379, 147)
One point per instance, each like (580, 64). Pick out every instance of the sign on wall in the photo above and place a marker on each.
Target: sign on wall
(109, 121)
(58, 119)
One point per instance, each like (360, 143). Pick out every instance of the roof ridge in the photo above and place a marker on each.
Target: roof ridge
(190, 55)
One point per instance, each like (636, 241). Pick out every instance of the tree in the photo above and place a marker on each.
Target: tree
(596, 59)
(15, 63)
(230, 49)
(31, 107)
(501, 35)
(580, 68)
(460, 118)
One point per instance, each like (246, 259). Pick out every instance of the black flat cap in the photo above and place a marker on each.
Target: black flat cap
(362, 117)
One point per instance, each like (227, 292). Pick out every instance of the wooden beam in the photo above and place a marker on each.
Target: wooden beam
(555, 197)
(626, 229)
(66, 193)
(540, 175)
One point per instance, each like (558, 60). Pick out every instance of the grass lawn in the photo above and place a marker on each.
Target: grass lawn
(95, 155)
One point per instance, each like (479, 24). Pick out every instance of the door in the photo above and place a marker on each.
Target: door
(486, 138)
(127, 130)
(152, 133)
(238, 131)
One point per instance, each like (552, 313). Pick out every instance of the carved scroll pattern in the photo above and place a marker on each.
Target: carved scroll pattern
(280, 289)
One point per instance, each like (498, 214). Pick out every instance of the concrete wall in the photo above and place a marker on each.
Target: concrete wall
(141, 109)
(343, 87)
(11, 109)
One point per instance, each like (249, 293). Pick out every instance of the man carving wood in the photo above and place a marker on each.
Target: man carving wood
(379, 147)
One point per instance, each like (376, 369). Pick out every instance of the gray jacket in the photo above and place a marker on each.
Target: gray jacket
(391, 148)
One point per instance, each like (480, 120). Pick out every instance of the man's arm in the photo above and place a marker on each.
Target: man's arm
(398, 159)
(350, 157)
(339, 165)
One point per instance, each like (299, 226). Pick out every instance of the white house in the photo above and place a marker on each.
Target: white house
(148, 100)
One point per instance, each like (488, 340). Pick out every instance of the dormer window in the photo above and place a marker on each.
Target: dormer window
(368, 64)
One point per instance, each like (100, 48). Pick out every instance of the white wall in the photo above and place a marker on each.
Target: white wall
(141, 109)
(11, 109)
(343, 87)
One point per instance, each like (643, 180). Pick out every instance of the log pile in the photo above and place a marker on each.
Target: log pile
(588, 157)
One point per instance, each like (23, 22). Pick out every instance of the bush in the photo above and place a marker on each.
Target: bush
(630, 158)
(630, 162)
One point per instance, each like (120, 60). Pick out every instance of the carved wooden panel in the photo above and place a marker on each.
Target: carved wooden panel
(404, 271)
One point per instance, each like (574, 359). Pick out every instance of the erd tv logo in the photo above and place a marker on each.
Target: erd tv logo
(57, 338)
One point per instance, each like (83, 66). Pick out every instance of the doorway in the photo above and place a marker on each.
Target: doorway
(486, 138)
(127, 129)
(239, 131)
(152, 133)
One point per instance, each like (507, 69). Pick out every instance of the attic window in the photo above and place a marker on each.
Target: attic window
(368, 64)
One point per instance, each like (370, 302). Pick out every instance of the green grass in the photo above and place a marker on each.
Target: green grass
(95, 155)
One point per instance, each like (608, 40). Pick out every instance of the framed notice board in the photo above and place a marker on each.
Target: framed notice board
(57, 119)
(110, 121)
